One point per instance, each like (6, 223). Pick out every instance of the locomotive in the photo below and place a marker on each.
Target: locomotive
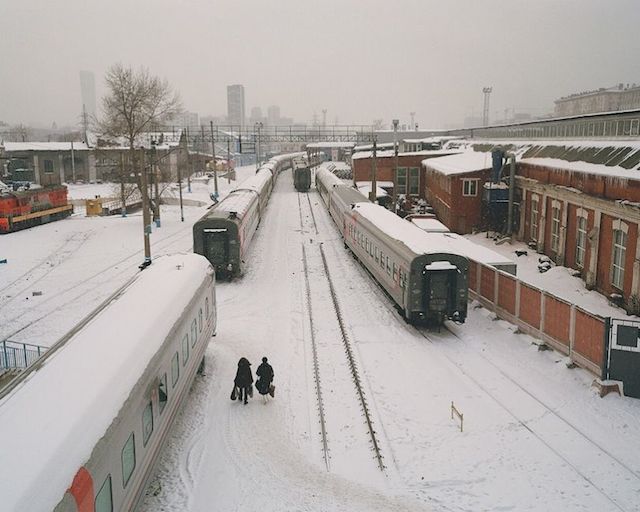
(24, 209)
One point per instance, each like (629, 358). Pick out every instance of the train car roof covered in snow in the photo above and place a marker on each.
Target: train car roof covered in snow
(327, 177)
(237, 201)
(56, 417)
(257, 182)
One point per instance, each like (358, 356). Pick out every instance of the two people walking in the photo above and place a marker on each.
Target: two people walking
(244, 380)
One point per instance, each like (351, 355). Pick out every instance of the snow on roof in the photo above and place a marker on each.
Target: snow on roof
(45, 146)
(366, 189)
(321, 145)
(237, 201)
(257, 182)
(410, 235)
(461, 163)
(430, 225)
(614, 171)
(421, 242)
(52, 421)
(390, 153)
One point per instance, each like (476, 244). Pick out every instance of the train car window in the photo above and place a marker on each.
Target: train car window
(388, 265)
(206, 307)
(382, 260)
(377, 255)
(104, 500)
(185, 349)
(175, 370)
(194, 333)
(395, 272)
(200, 320)
(163, 393)
(128, 458)
(147, 423)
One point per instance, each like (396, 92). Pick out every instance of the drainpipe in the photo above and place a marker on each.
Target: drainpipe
(512, 190)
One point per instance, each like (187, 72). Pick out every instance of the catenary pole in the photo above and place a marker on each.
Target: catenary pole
(146, 220)
(215, 169)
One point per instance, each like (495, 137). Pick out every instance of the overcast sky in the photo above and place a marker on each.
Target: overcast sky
(361, 60)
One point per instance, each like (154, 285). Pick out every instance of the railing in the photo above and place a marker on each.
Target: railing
(18, 355)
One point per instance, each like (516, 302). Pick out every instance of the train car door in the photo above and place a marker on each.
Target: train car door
(439, 286)
(216, 246)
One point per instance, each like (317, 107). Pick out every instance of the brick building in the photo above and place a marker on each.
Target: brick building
(581, 207)
(409, 180)
(578, 203)
(454, 187)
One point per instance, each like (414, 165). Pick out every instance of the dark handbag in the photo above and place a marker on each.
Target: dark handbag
(234, 393)
(250, 391)
(272, 390)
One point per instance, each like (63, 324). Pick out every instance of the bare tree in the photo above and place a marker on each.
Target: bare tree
(135, 102)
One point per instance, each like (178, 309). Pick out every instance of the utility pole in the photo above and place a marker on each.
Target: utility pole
(374, 184)
(215, 169)
(124, 199)
(395, 164)
(228, 160)
(180, 191)
(73, 163)
(146, 221)
(154, 174)
(189, 164)
(324, 118)
(485, 111)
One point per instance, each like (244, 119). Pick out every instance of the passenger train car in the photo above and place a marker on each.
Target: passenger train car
(301, 175)
(84, 425)
(224, 234)
(422, 272)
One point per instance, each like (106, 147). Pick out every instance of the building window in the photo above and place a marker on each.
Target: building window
(48, 166)
(555, 228)
(162, 393)
(401, 180)
(469, 187)
(619, 252)
(128, 458)
(414, 181)
(581, 241)
(147, 423)
(104, 500)
(535, 210)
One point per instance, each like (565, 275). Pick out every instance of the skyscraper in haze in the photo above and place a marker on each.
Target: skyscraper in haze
(88, 91)
(235, 104)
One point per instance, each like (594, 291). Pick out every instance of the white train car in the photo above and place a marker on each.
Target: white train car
(83, 427)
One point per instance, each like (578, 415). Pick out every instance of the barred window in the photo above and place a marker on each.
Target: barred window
(581, 240)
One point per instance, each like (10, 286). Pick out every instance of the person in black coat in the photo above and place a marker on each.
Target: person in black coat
(244, 379)
(265, 377)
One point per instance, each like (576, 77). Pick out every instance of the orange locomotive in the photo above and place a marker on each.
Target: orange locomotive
(19, 210)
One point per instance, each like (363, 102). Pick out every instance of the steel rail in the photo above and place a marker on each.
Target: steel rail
(352, 364)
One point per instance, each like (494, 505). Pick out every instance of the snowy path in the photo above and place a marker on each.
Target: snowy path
(535, 438)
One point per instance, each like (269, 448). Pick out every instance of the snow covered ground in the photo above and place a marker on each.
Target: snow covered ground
(536, 436)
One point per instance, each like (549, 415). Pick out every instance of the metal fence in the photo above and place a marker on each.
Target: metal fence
(18, 355)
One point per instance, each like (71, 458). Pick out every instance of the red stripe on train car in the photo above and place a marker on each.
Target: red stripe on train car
(82, 490)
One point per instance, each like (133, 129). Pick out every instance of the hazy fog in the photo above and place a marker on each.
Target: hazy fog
(358, 59)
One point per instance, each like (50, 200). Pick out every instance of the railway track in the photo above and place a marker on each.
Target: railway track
(161, 245)
(540, 436)
(346, 343)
